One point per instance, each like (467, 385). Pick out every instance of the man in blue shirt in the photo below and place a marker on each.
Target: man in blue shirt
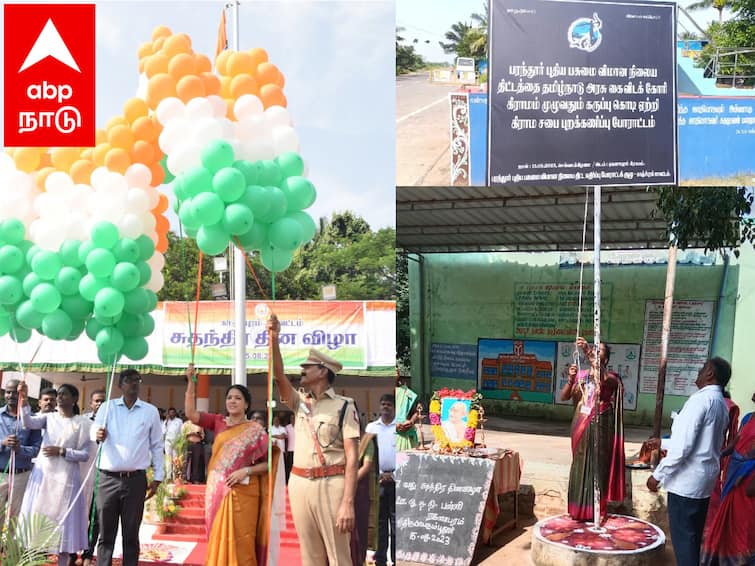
(15, 439)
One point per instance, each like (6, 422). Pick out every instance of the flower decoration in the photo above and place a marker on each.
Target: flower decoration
(442, 442)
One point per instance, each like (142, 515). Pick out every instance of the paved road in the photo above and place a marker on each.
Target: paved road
(422, 131)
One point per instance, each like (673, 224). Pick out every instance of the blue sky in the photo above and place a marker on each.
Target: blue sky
(430, 19)
(338, 59)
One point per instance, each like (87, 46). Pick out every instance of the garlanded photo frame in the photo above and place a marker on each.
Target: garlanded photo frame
(454, 415)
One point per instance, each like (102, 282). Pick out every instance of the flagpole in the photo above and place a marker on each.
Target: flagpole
(239, 269)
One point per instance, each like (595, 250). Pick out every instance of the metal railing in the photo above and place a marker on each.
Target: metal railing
(733, 67)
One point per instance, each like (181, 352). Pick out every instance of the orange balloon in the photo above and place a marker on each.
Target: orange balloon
(100, 135)
(281, 79)
(63, 157)
(225, 87)
(243, 84)
(157, 44)
(135, 108)
(158, 175)
(229, 112)
(142, 152)
(162, 243)
(144, 49)
(116, 121)
(161, 225)
(144, 129)
(156, 64)
(141, 65)
(42, 175)
(121, 136)
(118, 160)
(87, 153)
(162, 204)
(221, 61)
(211, 83)
(159, 88)
(99, 153)
(161, 31)
(204, 65)
(45, 159)
(175, 44)
(272, 95)
(258, 56)
(191, 86)
(267, 73)
(26, 159)
(181, 65)
(239, 63)
(81, 171)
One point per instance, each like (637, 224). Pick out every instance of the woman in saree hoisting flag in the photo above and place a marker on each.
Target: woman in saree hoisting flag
(731, 539)
(236, 498)
(606, 406)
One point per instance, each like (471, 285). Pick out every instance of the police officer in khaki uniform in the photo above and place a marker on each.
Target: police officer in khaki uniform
(324, 475)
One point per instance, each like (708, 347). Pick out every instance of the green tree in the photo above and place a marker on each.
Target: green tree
(719, 5)
(407, 59)
(180, 271)
(403, 331)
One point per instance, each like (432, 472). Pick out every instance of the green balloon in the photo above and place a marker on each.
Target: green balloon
(300, 193)
(208, 207)
(104, 234)
(151, 300)
(278, 205)
(146, 247)
(285, 234)
(129, 324)
(46, 265)
(212, 240)
(250, 170)
(100, 262)
(275, 260)
(31, 252)
(237, 219)
(187, 216)
(90, 285)
(229, 184)
(76, 329)
(57, 325)
(109, 340)
(12, 231)
(308, 226)
(216, 155)
(77, 307)
(93, 326)
(145, 272)
(147, 325)
(255, 198)
(137, 301)
(109, 302)
(11, 258)
(164, 165)
(270, 173)
(106, 320)
(125, 276)
(5, 323)
(135, 348)
(84, 249)
(178, 188)
(126, 250)
(30, 281)
(19, 334)
(45, 298)
(27, 316)
(194, 181)
(11, 290)
(255, 238)
(291, 164)
(67, 281)
(191, 232)
(108, 359)
(69, 253)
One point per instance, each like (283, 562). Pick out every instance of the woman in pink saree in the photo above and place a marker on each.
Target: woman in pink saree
(236, 499)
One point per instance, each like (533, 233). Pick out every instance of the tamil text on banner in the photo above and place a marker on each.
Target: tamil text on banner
(335, 327)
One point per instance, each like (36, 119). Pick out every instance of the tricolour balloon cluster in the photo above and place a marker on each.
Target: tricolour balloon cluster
(97, 285)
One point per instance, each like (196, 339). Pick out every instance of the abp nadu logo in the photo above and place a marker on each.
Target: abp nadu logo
(49, 75)
(584, 33)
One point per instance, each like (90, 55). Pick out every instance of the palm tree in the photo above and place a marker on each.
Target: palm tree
(719, 5)
(480, 45)
(456, 37)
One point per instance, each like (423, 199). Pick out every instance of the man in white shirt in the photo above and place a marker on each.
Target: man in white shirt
(278, 433)
(691, 465)
(290, 445)
(172, 427)
(385, 430)
(132, 439)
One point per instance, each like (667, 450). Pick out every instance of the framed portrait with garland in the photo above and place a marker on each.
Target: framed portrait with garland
(454, 415)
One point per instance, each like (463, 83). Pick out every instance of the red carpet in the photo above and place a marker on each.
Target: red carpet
(290, 553)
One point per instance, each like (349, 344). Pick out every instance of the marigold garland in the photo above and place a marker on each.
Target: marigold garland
(441, 440)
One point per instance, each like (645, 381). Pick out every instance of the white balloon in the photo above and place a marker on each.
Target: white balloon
(58, 182)
(169, 109)
(256, 150)
(148, 221)
(174, 133)
(137, 201)
(76, 226)
(130, 226)
(7, 164)
(198, 108)
(219, 107)
(156, 262)
(285, 139)
(153, 195)
(98, 176)
(277, 116)
(138, 175)
(184, 158)
(251, 127)
(142, 86)
(228, 128)
(156, 281)
(247, 105)
(207, 129)
(46, 235)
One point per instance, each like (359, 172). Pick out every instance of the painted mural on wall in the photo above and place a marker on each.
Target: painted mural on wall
(517, 370)
(625, 360)
(689, 345)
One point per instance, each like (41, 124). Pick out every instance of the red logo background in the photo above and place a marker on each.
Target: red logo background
(76, 25)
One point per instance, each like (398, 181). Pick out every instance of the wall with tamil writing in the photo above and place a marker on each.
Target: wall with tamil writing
(457, 299)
